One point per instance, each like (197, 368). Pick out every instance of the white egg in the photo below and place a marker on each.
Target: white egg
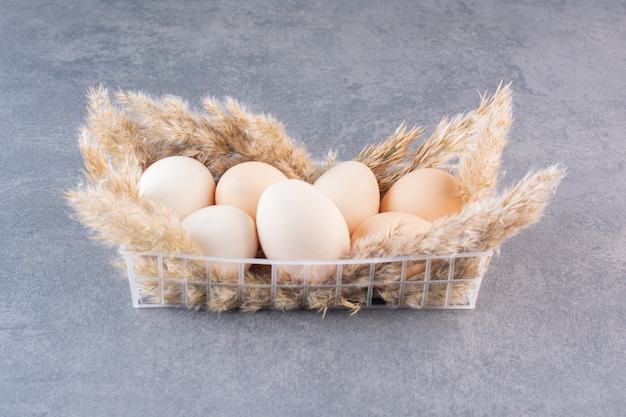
(223, 231)
(296, 221)
(181, 183)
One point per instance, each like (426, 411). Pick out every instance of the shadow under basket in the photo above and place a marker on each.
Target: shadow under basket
(160, 279)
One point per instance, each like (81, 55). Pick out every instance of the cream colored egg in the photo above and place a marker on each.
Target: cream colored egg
(389, 225)
(428, 193)
(242, 185)
(296, 221)
(353, 188)
(223, 231)
(181, 183)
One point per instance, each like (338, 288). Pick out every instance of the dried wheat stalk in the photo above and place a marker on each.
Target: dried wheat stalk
(477, 170)
(387, 158)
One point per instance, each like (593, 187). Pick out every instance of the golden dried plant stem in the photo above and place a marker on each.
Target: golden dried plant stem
(477, 170)
(446, 143)
(262, 138)
(169, 128)
(452, 136)
(385, 158)
(95, 157)
(118, 220)
(113, 127)
(228, 135)
(121, 180)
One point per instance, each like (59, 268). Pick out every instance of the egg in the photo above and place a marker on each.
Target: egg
(428, 193)
(223, 231)
(353, 188)
(242, 185)
(296, 221)
(181, 183)
(392, 224)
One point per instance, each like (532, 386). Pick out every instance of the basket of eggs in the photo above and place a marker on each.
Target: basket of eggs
(221, 210)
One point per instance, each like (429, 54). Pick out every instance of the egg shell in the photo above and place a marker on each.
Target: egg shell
(242, 185)
(353, 188)
(296, 221)
(223, 231)
(181, 183)
(429, 193)
(391, 224)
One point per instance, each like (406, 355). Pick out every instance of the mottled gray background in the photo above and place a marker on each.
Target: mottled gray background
(547, 337)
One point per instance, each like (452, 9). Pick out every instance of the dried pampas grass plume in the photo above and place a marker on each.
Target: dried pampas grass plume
(109, 205)
(122, 137)
(385, 159)
(225, 136)
(473, 141)
(114, 128)
(477, 170)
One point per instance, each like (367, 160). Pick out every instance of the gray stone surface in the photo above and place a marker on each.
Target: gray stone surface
(547, 336)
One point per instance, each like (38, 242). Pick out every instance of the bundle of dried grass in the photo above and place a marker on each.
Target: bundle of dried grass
(123, 137)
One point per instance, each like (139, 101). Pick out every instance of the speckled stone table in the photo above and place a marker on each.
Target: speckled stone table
(547, 336)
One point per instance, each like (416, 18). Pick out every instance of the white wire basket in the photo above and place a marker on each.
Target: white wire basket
(446, 282)
(120, 133)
